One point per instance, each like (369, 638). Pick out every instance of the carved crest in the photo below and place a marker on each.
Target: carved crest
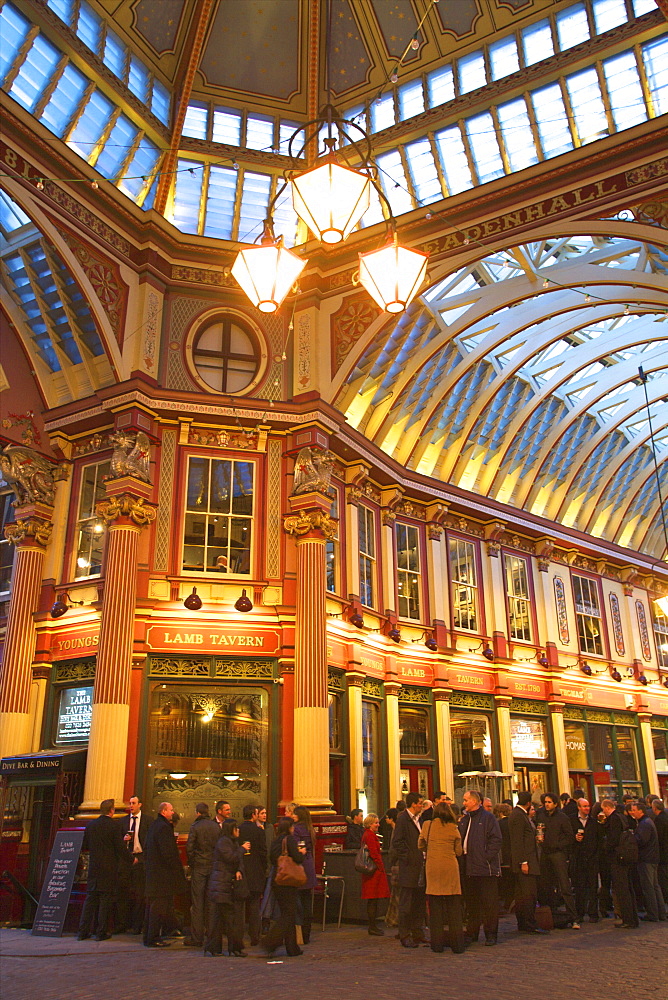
(313, 471)
(131, 456)
(30, 475)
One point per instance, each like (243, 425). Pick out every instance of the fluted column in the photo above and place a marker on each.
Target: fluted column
(126, 513)
(559, 742)
(392, 690)
(444, 741)
(311, 526)
(30, 533)
(503, 722)
(645, 723)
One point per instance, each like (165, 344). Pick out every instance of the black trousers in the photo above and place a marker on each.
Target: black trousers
(584, 876)
(442, 910)
(199, 882)
(305, 903)
(159, 918)
(227, 919)
(132, 905)
(526, 895)
(252, 915)
(663, 880)
(481, 895)
(96, 912)
(284, 930)
(411, 912)
(554, 870)
(622, 891)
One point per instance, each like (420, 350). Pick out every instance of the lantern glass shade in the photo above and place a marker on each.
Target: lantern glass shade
(331, 199)
(393, 275)
(267, 273)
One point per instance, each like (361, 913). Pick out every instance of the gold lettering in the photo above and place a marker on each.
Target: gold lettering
(579, 200)
(533, 212)
(601, 190)
(490, 227)
(558, 204)
(511, 220)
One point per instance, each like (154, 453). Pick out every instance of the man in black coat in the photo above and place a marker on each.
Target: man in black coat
(134, 828)
(660, 817)
(625, 903)
(524, 864)
(164, 877)
(103, 841)
(411, 878)
(481, 867)
(584, 862)
(202, 838)
(648, 862)
(558, 841)
(255, 866)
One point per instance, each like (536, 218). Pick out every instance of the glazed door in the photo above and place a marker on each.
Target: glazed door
(583, 781)
(417, 778)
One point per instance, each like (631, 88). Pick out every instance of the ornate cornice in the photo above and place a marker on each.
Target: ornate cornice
(306, 521)
(29, 531)
(126, 505)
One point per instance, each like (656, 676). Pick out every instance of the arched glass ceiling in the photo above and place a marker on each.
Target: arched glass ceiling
(49, 309)
(517, 378)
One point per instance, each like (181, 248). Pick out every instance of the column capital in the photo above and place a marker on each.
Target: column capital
(392, 688)
(310, 522)
(556, 707)
(442, 694)
(354, 679)
(126, 506)
(33, 525)
(502, 700)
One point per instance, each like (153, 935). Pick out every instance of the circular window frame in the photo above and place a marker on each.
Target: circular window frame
(250, 327)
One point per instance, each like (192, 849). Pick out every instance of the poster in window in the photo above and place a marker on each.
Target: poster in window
(528, 738)
(76, 707)
(423, 782)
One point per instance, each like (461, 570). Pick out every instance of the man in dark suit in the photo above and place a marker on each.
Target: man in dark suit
(134, 828)
(164, 877)
(583, 869)
(255, 865)
(411, 872)
(524, 864)
(202, 839)
(104, 843)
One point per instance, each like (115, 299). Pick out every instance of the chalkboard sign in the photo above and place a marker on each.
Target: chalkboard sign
(55, 895)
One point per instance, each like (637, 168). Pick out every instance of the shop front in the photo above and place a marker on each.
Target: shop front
(603, 752)
(530, 743)
(474, 742)
(417, 741)
(660, 744)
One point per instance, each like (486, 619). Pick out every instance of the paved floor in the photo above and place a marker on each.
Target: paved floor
(598, 962)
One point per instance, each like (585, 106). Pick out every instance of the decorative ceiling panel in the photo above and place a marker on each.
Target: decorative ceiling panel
(158, 22)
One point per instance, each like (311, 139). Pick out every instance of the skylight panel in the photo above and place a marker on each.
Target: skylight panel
(12, 215)
(285, 218)
(423, 171)
(624, 90)
(471, 72)
(117, 147)
(195, 123)
(551, 119)
(484, 147)
(641, 7)
(285, 132)
(140, 167)
(115, 54)
(504, 58)
(572, 26)
(537, 42)
(454, 161)
(382, 112)
(506, 357)
(636, 427)
(374, 212)
(64, 100)
(393, 180)
(608, 14)
(259, 133)
(91, 124)
(581, 393)
(450, 316)
(517, 135)
(609, 411)
(655, 58)
(441, 86)
(227, 127)
(88, 27)
(138, 77)
(187, 194)
(160, 102)
(63, 8)
(545, 376)
(13, 29)
(35, 71)
(220, 202)
(254, 202)
(588, 108)
(411, 99)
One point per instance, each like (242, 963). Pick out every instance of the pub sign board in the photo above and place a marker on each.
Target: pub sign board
(31, 768)
(58, 882)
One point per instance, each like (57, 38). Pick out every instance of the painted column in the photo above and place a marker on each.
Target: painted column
(40, 679)
(312, 526)
(437, 572)
(497, 604)
(645, 723)
(559, 739)
(444, 741)
(355, 748)
(352, 547)
(125, 512)
(503, 723)
(389, 600)
(392, 689)
(30, 534)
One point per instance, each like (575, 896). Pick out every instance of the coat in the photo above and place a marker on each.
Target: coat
(374, 886)
(202, 839)
(483, 847)
(522, 842)
(661, 824)
(144, 823)
(354, 837)
(228, 859)
(410, 858)
(104, 840)
(558, 835)
(614, 826)
(255, 863)
(586, 850)
(443, 845)
(647, 840)
(276, 850)
(301, 833)
(164, 871)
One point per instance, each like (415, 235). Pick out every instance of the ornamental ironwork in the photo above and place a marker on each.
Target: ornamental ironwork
(335, 680)
(255, 670)
(179, 666)
(594, 715)
(624, 719)
(471, 699)
(371, 689)
(416, 695)
(572, 712)
(74, 670)
(525, 706)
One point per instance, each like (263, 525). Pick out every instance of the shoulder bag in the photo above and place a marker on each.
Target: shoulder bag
(364, 863)
(288, 872)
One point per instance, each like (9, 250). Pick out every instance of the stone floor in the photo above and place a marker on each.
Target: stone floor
(597, 962)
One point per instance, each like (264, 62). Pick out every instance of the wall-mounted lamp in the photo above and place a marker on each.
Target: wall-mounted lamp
(63, 604)
(543, 660)
(429, 641)
(487, 652)
(586, 669)
(615, 674)
(192, 601)
(642, 679)
(356, 619)
(244, 603)
(394, 634)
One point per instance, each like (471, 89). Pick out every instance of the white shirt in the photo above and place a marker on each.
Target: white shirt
(136, 847)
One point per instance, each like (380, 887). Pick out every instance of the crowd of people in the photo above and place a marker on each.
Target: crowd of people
(450, 871)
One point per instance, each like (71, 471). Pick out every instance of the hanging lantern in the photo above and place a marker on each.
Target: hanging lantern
(393, 275)
(331, 199)
(267, 272)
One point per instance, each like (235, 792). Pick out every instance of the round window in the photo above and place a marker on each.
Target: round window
(226, 355)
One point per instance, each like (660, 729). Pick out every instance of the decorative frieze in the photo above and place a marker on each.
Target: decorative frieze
(177, 666)
(310, 520)
(415, 695)
(224, 438)
(254, 670)
(471, 699)
(74, 670)
(126, 505)
(371, 688)
(525, 706)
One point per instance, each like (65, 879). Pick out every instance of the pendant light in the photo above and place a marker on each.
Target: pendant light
(393, 275)
(267, 272)
(331, 199)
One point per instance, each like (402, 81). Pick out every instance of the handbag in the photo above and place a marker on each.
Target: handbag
(240, 889)
(364, 863)
(288, 872)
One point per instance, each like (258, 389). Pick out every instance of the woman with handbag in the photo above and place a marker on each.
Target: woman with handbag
(305, 837)
(375, 885)
(289, 877)
(441, 840)
(227, 891)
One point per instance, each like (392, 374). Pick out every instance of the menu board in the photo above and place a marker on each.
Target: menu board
(58, 882)
(528, 738)
(74, 714)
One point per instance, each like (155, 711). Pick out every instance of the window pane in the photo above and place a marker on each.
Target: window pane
(382, 112)
(35, 71)
(626, 753)
(441, 86)
(254, 202)
(117, 147)
(537, 42)
(414, 726)
(464, 591)
(63, 8)
(286, 131)
(13, 29)
(517, 135)
(64, 100)
(454, 162)
(88, 27)
(187, 195)
(160, 102)
(484, 147)
(91, 124)
(226, 127)
(138, 79)
(195, 123)
(423, 171)
(608, 14)
(551, 120)
(219, 538)
(220, 202)
(115, 54)
(624, 90)
(259, 133)
(655, 57)
(587, 103)
(91, 530)
(503, 57)
(471, 72)
(393, 181)
(572, 26)
(411, 99)
(142, 164)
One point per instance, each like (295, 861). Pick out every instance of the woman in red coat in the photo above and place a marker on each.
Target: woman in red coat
(374, 887)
